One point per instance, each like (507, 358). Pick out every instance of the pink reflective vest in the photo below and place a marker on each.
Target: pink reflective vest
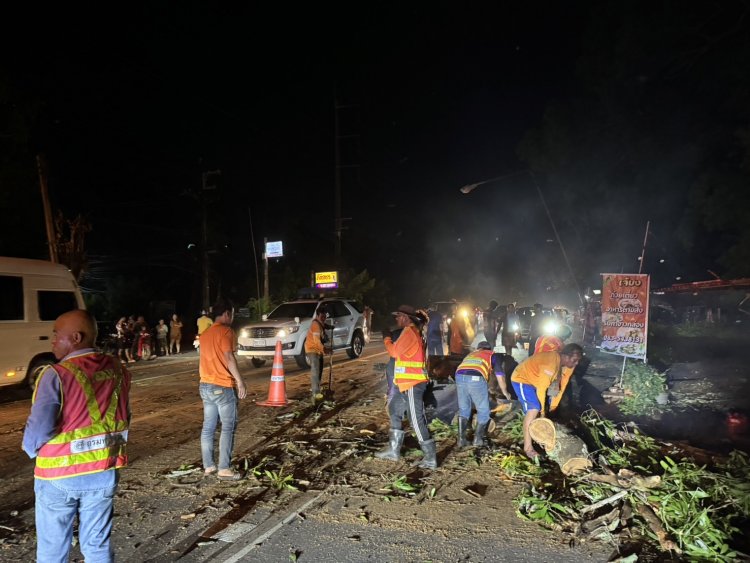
(93, 430)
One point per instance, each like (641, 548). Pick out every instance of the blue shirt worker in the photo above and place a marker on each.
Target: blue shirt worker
(78, 432)
(435, 334)
(472, 386)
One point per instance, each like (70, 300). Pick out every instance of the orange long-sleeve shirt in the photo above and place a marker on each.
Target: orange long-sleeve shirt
(540, 370)
(407, 347)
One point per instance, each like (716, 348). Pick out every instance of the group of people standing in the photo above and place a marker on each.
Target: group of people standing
(136, 341)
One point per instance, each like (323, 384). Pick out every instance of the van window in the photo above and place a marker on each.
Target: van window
(52, 304)
(11, 298)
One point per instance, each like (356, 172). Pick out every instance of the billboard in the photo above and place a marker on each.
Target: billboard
(274, 249)
(326, 280)
(625, 314)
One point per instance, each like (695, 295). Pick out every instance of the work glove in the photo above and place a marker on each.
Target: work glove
(386, 334)
(553, 389)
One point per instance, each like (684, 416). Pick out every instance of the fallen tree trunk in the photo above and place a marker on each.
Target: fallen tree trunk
(562, 446)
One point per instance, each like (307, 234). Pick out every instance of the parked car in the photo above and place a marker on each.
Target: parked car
(290, 322)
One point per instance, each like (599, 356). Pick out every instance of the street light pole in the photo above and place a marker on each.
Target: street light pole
(471, 187)
(205, 187)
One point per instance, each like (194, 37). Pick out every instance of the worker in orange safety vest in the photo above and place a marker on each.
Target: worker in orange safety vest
(410, 376)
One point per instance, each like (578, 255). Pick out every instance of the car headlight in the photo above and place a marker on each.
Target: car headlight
(515, 327)
(287, 331)
(244, 333)
(550, 327)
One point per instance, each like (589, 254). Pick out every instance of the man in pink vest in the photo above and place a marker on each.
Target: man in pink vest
(77, 431)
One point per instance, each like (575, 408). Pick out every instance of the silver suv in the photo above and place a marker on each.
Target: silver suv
(290, 322)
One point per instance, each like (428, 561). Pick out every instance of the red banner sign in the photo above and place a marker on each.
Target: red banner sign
(625, 314)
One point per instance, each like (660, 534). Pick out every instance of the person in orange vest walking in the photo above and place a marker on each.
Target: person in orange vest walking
(315, 349)
(542, 375)
(77, 431)
(220, 386)
(410, 376)
(472, 380)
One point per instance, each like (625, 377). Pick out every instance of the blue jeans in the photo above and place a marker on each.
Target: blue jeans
(219, 403)
(473, 389)
(434, 346)
(56, 506)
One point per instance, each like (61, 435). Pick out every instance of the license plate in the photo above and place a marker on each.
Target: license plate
(259, 343)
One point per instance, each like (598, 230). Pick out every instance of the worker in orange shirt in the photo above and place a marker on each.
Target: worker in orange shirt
(542, 375)
(410, 376)
(550, 343)
(315, 348)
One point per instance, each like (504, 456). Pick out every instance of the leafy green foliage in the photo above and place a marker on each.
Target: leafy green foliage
(539, 507)
(518, 465)
(279, 480)
(441, 431)
(642, 383)
(698, 506)
(401, 486)
(514, 428)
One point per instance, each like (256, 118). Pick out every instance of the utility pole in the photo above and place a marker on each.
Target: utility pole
(338, 220)
(255, 257)
(206, 299)
(51, 238)
(337, 185)
(266, 291)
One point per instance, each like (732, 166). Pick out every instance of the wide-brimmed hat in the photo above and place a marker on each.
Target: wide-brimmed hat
(406, 310)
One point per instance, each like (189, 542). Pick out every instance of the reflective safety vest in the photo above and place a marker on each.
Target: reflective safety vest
(407, 373)
(93, 419)
(479, 360)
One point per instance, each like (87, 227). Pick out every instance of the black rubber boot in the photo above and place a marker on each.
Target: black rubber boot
(429, 461)
(393, 451)
(480, 435)
(463, 426)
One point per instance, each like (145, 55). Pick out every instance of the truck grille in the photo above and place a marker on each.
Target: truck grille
(264, 332)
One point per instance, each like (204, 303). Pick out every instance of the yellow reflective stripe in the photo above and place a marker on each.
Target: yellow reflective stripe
(88, 431)
(401, 363)
(411, 376)
(85, 383)
(77, 459)
(116, 466)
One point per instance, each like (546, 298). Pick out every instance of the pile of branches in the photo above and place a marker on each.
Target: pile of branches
(639, 490)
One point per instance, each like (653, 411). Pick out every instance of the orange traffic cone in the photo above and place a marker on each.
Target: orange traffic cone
(277, 389)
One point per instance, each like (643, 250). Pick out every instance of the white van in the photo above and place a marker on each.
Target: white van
(33, 293)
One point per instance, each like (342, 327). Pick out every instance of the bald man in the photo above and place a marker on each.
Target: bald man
(77, 431)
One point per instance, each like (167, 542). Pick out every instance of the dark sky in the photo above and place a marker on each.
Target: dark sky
(133, 105)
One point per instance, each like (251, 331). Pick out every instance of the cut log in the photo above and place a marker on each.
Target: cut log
(562, 446)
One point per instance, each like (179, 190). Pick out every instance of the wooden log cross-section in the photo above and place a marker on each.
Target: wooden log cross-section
(562, 446)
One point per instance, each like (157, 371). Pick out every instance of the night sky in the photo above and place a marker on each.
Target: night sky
(625, 113)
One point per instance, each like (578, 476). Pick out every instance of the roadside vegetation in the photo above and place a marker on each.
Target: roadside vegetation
(641, 491)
